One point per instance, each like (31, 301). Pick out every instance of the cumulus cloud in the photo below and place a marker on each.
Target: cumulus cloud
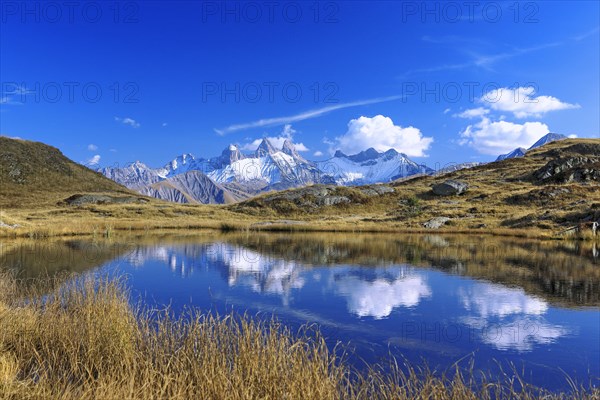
(379, 297)
(508, 318)
(529, 332)
(494, 300)
(92, 147)
(473, 113)
(286, 134)
(500, 137)
(128, 121)
(95, 160)
(380, 133)
(523, 103)
(318, 153)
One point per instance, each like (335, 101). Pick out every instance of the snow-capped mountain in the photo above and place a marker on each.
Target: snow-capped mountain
(520, 152)
(550, 137)
(269, 168)
(370, 166)
(233, 176)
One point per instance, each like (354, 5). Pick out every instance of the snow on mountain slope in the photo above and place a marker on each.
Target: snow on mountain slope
(269, 166)
(233, 175)
(550, 137)
(370, 166)
(518, 152)
(134, 176)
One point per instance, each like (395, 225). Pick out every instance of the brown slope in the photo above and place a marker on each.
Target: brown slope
(33, 175)
(504, 194)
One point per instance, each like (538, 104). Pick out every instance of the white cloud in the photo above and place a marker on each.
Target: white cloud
(380, 133)
(379, 297)
(318, 153)
(473, 113)
(277, 141)
(92, 147)
(303, 116)
(488, 300)
(500, 137)
(128, 121)
(508, 318)
(523, 103)
(94, 160)
(446, 111)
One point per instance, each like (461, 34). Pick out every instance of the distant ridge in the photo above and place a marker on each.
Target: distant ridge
(235, 176)
(520, 151)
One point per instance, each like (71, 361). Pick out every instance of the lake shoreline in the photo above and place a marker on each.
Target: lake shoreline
(81, 225)
(103, 346)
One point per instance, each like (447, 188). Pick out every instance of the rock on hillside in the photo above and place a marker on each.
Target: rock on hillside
(579, 162)
(314, 197)
(450, 188)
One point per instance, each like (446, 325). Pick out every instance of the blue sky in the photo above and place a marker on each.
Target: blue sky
(444, 82)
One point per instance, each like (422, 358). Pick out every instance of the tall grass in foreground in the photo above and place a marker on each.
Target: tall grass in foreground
(85, 341)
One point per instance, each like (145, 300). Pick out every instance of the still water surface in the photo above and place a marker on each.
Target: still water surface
(432, 299)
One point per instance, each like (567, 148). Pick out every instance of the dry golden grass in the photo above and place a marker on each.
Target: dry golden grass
(501, 200)
(85, 341)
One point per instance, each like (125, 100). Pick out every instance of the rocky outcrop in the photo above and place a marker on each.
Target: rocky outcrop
(542, 196)
(569, 169)
(436, 223)
(82, 199)
(314, 197)
(450, 188)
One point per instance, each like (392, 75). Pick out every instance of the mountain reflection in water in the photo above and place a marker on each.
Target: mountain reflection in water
(437, 298)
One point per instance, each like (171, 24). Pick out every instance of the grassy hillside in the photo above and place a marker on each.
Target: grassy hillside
(34, 174)
(552, 188)
(507, 194)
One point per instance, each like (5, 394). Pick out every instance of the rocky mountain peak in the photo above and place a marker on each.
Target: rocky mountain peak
(265, 148)
(549, 137)
(289, 149)
(365, 155)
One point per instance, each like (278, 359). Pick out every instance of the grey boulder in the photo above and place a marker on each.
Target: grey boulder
(436, 222)
(450, 188)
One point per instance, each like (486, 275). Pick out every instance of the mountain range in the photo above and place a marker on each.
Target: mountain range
(234, 176)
